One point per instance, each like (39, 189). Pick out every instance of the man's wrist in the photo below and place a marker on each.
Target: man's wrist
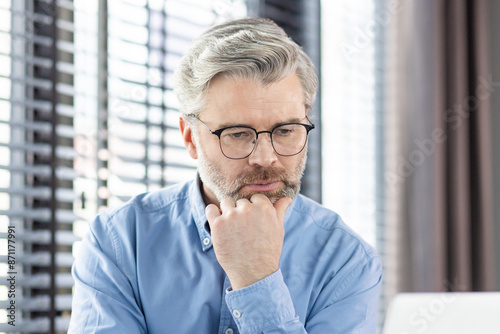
(243, 282)
(266, 303)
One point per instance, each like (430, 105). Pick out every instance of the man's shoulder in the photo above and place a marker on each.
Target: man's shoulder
(160, 199)
(319, 215)
(326, 224)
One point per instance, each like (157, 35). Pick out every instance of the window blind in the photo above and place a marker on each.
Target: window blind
(88, 119)
(37, 174)
(146, 40)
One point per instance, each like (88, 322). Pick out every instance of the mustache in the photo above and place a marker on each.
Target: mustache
(271, 174)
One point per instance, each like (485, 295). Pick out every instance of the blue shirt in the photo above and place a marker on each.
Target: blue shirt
(149, 267)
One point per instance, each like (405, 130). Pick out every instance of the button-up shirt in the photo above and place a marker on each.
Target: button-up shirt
(149, 267)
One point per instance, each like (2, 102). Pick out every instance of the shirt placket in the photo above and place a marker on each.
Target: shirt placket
(226, 323)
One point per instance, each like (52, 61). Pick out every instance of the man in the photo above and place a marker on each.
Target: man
(237, 250)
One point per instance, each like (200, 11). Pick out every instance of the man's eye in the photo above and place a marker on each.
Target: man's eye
(238, 135)
(284, 132)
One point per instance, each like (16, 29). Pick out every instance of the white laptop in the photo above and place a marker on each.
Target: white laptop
(444, 313)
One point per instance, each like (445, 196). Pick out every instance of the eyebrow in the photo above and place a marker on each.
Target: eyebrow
(291, 120)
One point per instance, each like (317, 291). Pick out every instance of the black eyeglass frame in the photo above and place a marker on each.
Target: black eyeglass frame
(218, 132)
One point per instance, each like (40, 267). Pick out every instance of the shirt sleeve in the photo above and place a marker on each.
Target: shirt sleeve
(346, 307)
(103, 297)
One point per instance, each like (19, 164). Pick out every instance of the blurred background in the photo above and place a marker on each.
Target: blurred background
(406, 146)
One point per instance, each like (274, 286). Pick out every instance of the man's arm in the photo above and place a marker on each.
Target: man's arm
(248, 238)
(349, 307)
(103, 298)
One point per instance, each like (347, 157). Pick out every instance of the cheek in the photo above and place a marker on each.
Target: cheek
(291, 163)
(209, 146)
(230, 170)
(233, 168)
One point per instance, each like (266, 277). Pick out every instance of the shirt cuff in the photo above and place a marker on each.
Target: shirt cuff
(263, 305)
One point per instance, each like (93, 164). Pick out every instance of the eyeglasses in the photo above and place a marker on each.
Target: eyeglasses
(238, 142)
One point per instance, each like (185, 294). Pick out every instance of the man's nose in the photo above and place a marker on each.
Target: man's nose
(263, 153)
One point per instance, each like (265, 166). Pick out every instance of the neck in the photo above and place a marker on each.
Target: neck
(207, 195)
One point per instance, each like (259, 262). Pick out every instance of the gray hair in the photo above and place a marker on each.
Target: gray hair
(250, 48)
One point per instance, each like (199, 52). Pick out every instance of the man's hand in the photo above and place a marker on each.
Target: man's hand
(248, 237)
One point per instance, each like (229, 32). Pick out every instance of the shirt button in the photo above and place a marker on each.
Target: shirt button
(237, 313)
(229, 331)
(206, 241)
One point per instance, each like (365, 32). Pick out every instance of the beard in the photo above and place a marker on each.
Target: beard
(213, 176)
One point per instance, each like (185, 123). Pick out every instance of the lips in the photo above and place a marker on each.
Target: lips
(263, 186)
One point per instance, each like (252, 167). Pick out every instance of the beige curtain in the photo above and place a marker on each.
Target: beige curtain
(438, 176)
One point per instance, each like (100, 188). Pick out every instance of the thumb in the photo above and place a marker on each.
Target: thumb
(281, 205)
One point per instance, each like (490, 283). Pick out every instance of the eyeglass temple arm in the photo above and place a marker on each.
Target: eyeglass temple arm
(310, 123)
(196, 117)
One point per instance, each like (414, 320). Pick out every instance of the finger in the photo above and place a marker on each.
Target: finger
(212, 212)
(259, 198)
(241, 202)
(281, 205)
(227, 204)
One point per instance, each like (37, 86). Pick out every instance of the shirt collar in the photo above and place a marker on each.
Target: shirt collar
(198, 212)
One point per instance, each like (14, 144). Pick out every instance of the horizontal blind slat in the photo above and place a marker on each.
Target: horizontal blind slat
(41, 259)
(62, 173)
(39, 303)
(63, 280)
(41, 193)
(65, 238)
(63, 152)
(35, 325)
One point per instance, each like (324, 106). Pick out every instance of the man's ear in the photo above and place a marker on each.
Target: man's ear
(187, 137)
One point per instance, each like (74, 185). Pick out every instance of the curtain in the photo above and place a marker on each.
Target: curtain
(494, 12)
(438, 176)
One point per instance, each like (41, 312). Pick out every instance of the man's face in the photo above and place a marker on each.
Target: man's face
(244, 102)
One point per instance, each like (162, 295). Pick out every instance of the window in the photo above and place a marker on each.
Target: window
(349, 114)
(104, 131)
(352, 90)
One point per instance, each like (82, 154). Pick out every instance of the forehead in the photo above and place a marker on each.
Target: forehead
(244, 101)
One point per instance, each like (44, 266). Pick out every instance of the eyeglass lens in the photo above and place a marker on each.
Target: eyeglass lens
(239, 142)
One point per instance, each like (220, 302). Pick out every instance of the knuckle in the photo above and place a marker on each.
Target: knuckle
(242, 202)
(244, 205)
(259, 196)
(231, 214)
(246, 210)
